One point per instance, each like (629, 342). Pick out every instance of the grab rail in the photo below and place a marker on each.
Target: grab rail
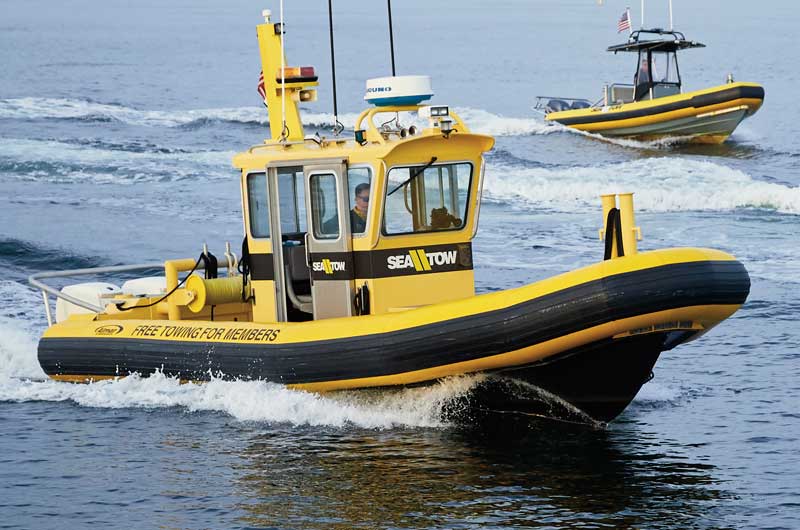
(35, 281)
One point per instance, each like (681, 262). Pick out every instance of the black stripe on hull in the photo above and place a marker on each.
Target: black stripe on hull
(703, 100)
(461, 339)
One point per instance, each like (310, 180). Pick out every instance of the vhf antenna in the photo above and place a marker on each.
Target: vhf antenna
(337, 126)
(391, 34)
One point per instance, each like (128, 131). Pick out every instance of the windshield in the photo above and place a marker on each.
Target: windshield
(665, 67)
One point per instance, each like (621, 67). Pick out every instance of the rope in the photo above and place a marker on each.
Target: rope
(244, 269)
(613, 229)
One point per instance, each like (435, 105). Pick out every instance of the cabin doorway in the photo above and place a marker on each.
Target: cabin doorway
(329, 240)
(309, 216)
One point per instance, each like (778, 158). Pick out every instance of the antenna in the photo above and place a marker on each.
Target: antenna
(391, 34)
(285, 129)
(337, 126)
(670, 15)
(642, 14)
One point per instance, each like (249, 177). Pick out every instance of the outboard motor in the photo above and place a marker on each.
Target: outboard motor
(556, 105)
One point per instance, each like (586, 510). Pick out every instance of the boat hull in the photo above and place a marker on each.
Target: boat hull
(599, 379)
(704, 116)
(537, 333)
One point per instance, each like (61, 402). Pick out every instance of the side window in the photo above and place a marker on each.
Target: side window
(431, 200)
(292, 200)
(324, 214)
(643, 74)
(359, 181)
(258, 206)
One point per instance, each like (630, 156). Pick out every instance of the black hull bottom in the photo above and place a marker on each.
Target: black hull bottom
(599, 380)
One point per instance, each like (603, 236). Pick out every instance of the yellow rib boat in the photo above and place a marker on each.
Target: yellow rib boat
(655, 106)
(356, 271)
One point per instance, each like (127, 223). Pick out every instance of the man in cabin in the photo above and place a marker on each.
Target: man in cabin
(642, 79)
(358, 215)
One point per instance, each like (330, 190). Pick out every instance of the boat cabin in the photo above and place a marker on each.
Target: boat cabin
(657, 74)
(377, 222)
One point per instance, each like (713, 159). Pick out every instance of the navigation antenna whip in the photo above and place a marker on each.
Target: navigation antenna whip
(391, 34)
(642, 14)
(337, 125)
(285, 130)
(670, 15)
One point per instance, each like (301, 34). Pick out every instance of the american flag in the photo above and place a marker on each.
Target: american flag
(262, 91)
(624, 22)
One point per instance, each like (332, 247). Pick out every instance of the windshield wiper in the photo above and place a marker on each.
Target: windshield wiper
(413, 176)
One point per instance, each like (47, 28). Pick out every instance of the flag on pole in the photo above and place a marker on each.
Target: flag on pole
(624, 22)
(262, 91)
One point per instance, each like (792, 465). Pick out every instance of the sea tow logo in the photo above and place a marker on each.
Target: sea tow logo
(374, 89)
(110, 329)
(421, 260)
(328, 267)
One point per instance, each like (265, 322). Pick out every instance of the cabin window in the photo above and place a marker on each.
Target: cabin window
(258, 205)
(359, 182)
(292, 200)
(324, 213)
(665, 67)
(433, 199)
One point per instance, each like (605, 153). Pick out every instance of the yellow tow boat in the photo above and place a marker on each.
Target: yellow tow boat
(655, 106)
(357, 271)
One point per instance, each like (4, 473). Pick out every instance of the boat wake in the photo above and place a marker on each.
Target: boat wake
(660, 144)
(55, 161)
(447, 403)
(30, 108)
(481, 121)
(673, 184)
(501, 398)
(654, 393)
(22, 380)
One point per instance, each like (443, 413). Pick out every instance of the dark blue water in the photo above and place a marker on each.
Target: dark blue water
(117, 126)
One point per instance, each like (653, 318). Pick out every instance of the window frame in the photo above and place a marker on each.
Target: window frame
(371, 171)
(312, 229)
(247, 203)
(467, 210)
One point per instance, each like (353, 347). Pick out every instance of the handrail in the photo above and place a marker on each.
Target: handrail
(287, 143)
(34, 280)
(373, 134)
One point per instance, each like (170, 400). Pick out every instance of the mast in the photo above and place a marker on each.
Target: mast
(283, 91)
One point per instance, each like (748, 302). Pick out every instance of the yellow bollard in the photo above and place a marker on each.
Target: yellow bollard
(171, 269)
(609, 202)
(629, 231)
